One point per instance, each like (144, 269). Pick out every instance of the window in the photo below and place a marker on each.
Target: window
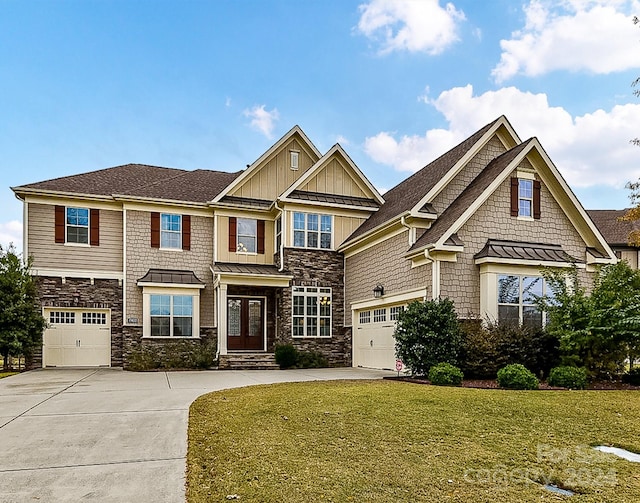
(78, 225)
(171, 315)
(295, 158)
(525, 198)
(60, 317)
(170, 231)
(365, 317)
(311, 230)
(516, 299)
(94, 318)
(311, 312)
(379, 315)
(394, 312)
(247, 235)
(278, 233)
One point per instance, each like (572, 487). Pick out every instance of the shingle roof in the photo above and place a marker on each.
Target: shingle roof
(142, 180)
(516, 250)
(614, 231)
(468, 196)
(170, 276)
(408, 193)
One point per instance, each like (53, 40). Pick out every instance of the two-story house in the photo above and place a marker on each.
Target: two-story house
(137, 255)
(616, 232)
(299, 247)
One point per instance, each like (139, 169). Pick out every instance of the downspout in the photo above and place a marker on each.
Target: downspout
(282, 235)
(403, 222)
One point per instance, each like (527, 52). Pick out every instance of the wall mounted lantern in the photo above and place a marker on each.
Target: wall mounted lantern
(378, 291)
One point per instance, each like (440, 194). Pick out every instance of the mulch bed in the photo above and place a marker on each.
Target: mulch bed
(492, 384)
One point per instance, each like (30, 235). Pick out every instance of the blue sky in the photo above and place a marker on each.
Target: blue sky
(193, 84)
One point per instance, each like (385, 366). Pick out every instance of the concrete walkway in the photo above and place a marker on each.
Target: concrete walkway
(111, 436)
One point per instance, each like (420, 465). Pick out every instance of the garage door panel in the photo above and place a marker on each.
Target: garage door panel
(69, 342)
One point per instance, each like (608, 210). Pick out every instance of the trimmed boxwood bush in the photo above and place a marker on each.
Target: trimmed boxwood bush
(445, 374)
(286, 355)
(632, 376)
(568, 377)
(516, 376)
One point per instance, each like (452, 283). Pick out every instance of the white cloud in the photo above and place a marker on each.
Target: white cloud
(343, 140)
(263, 120)
(589, 150)
(410, 25)
(11, 232)
(595, 36)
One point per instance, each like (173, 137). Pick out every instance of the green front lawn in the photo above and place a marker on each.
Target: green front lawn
(7, 374)
(382, 441)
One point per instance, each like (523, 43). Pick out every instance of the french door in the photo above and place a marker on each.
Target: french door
(245, 323)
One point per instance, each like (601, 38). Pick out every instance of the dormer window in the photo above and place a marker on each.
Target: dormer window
(295, 158)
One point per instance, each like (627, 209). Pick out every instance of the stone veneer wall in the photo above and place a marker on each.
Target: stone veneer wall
(383, 263)
(320, 268)
(80, 293)
(460, 281)
(133, 341)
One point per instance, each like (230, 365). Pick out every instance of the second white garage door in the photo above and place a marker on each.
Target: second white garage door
(373, 341)
(77, 338)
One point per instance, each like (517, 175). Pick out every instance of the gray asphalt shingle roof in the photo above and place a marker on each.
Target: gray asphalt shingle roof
(614, 231)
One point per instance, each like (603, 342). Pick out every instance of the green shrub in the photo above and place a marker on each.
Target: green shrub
(173, 355)
(516, 376)
(286, 355)
(427, 333)
(490, 346)
(632, 376)
(445, 374)
(311, 360)
(568, 377)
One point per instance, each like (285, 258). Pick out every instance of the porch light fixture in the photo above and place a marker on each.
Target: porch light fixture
(378, 291)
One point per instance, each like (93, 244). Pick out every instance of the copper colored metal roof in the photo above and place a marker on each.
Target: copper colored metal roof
(250, 269)
(170, 277)
(515, 250)
(334, 199)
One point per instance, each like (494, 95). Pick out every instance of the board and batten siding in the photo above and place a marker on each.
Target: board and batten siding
(222, 243)
(47, 254)
(343, 225)
(275, 175)
(334, 178)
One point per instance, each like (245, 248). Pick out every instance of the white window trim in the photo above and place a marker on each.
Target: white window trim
(66, 227)
(179, 232)
(306, 230)
(294, 154)
(530, 199)
(317, 294)
(241, 252)
(148, 291)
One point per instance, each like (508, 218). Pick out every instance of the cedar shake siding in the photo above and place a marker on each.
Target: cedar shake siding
(460, 281)
(385, 264)
(141, 257)
(47, 254)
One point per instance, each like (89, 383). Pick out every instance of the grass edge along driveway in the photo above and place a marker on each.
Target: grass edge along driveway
(381, 441)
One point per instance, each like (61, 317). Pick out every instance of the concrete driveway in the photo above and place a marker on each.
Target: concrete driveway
(108, 435)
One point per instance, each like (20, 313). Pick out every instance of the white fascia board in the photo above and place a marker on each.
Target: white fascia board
(75, 273)
(59, 194)
(250, 170)
(493, 186)
(156, 201)
(303, 202)
(383, 227)
(445, 180)
(574, 200)
(150, 284)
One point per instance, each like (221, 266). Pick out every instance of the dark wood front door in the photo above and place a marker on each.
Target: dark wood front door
(245, 323)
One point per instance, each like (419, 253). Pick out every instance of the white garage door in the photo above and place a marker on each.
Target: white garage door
(77, 338)
(373, 342)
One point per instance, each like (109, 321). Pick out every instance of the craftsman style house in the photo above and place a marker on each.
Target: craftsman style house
(299, 247)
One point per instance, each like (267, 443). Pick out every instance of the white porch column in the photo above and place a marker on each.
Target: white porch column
(222, 319)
